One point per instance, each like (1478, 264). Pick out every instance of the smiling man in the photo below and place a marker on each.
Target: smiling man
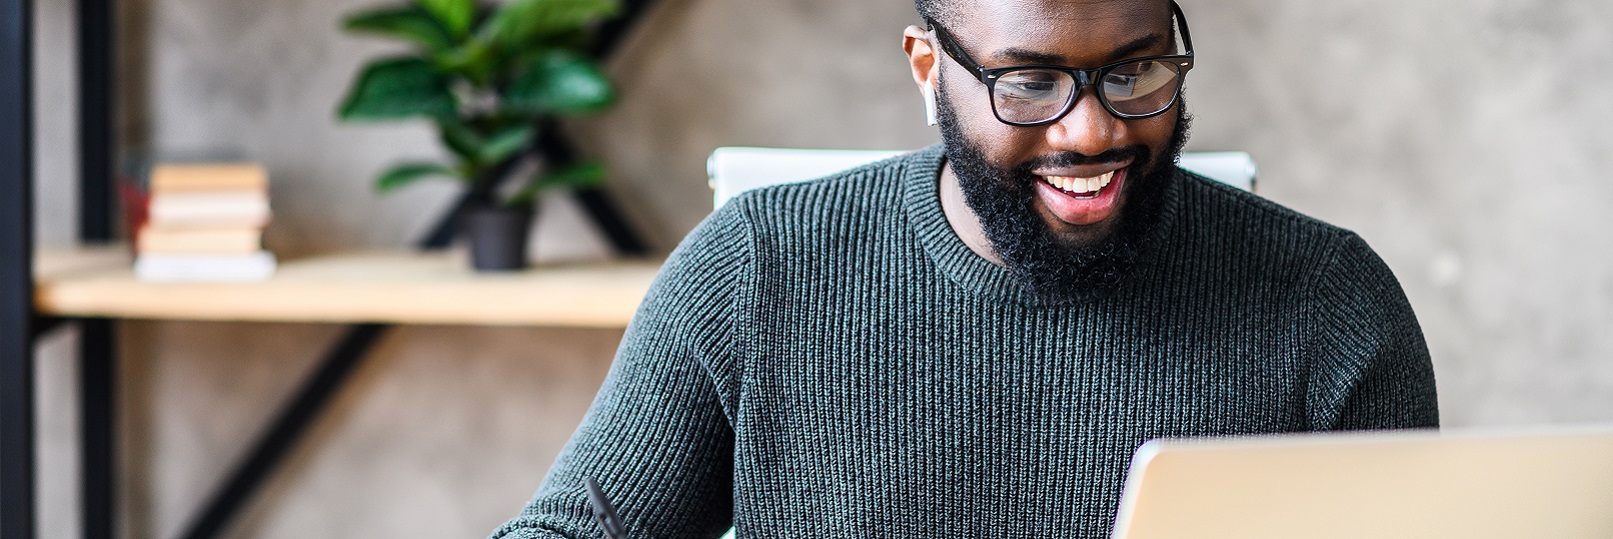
(971, 340)
(1052, 211)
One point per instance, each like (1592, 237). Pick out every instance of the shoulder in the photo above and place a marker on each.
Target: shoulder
(1245, 243)
(813, 214)
(1341, 282)
(1241, 229)
(710, 263)
(1226, 207)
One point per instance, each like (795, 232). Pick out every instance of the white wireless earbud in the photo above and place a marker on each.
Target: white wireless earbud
(929, 104)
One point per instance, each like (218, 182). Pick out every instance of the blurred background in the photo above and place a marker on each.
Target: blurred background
(1466, 140)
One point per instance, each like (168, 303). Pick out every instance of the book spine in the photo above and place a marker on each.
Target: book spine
(215, 210)
(209, 177)
(205, 268)
(151, 240)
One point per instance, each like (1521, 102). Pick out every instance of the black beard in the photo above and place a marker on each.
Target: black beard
(1046, 265)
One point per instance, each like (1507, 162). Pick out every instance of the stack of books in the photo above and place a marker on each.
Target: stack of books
(204, 222)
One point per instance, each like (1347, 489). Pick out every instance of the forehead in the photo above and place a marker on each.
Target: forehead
(1080, 32)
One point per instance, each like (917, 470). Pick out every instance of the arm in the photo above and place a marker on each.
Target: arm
(657, 437)
(1370, 365)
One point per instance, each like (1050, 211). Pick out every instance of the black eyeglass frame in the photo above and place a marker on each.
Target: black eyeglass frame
(1082, 77)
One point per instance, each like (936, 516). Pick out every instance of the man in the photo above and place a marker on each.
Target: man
(971, 340)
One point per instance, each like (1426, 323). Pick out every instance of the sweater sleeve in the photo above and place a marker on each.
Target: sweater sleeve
(1370, 367)
(657, 437)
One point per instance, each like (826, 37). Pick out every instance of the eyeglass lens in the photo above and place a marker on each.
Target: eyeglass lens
(1133, 89)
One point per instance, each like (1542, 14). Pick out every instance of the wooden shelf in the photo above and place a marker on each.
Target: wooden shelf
(388, 287)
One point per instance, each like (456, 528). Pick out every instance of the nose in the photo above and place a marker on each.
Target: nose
(1088, 129)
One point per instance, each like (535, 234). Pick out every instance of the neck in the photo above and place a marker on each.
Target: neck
(962, 218)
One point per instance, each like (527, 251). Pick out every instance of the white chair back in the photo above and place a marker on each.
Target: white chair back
(734, 170)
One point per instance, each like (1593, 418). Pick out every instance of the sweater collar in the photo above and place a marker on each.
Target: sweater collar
(922, 202)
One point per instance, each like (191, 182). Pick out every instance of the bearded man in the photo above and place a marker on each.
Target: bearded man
(971, 340)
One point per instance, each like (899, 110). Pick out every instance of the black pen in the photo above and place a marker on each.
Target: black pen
(604, 512)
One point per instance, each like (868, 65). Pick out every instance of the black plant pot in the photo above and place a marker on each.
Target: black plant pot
(498, 237)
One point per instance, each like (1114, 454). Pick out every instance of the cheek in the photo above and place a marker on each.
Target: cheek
(1155, 133)
(1004, 146)
(1009, 146)
(969, 101)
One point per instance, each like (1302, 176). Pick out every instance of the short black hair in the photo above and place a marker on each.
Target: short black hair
(940, 11)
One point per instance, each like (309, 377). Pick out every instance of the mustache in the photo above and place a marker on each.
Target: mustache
(1137, 154)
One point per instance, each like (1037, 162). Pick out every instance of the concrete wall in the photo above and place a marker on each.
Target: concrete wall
(1464, 139)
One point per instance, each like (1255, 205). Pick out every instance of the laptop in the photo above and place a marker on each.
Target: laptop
(1555, 483)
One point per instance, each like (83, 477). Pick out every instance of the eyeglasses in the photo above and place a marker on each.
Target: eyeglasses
(1033, 95)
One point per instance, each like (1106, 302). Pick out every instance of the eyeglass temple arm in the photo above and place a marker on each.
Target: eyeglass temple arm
(951, 47)
(1181, 22)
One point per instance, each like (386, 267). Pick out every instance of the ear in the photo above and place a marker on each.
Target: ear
(921, 56)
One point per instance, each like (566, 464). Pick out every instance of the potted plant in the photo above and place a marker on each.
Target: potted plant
(487, 76)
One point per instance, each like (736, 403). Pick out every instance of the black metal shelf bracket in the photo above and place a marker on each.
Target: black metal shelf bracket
(97, 338)
(17, 478)
(287, 428)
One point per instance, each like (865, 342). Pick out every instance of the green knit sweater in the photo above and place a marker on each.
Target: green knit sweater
(828, 359)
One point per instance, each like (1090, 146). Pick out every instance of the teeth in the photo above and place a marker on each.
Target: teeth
(1081, 185)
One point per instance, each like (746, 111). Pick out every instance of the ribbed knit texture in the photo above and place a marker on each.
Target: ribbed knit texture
(828, 359)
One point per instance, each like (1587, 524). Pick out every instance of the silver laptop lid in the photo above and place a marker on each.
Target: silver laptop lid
(1548, 483)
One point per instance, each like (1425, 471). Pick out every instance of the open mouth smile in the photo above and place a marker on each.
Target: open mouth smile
(1082, 200)
(1085, 188)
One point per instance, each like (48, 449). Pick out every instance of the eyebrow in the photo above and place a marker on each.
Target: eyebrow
(1028, 56)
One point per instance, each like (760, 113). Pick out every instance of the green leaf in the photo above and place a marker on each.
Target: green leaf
(577, 176)
(407, 173)
(462, 140)
(522, 22)
(505, 144)
(455, 15)
(483, 151)
(475, 60)
(399, 88)
(408, 23)
(590, 174)
(559, 82)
